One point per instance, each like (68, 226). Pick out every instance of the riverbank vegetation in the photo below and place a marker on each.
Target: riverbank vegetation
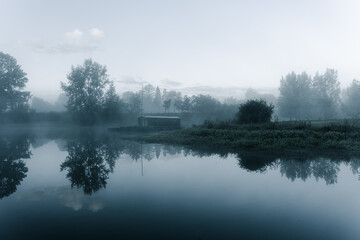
(317, 135)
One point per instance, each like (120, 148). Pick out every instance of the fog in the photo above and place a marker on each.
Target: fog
(203, 58)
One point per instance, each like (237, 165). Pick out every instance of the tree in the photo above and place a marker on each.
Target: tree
(112, 105)
(157, 99)
(167, 104)
(148, 97)
(85, 91)
(205, 106)
(178, 103)
(12, 82)
(296, 94)
(351, 104)
(41, 105)
(255, 111)
(133, 102)
(186, 104)
(326, 94)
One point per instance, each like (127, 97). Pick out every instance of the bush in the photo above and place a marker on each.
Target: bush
(254, 111)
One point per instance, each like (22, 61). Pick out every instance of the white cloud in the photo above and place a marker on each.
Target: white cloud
(74, 35)
(96, 33)
(171, 83)
(71, 42)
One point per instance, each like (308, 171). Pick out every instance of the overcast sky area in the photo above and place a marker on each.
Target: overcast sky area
(181, 44)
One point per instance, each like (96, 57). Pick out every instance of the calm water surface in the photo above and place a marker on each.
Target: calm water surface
(93, 185)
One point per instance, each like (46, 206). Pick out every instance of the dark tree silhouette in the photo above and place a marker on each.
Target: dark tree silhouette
(85, 91)
(254, 111)
(12, 82)
(12, 166)
(167, 104)
(255, 162)
(89, 163)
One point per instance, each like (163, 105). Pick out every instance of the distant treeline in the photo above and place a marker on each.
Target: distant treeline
(89, 97)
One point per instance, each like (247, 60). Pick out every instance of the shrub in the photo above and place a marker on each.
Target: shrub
(255, 111)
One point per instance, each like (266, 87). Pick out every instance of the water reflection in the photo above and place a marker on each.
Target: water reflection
(255, 162)
(89, 162)
(92, 155)
(13, 149)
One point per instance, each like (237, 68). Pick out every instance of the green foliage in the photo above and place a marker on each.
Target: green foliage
(85, 91)
(351, 103)
(326, 97)
(304, 97)
(267, 136)
(167, 104)
(112, 106)
(296, 95)
(254, 111)
(12, 82)
(13, 151)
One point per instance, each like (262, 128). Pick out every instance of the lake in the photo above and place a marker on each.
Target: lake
(91, 184)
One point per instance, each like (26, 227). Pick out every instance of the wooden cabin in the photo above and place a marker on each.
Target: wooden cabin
(159, 122)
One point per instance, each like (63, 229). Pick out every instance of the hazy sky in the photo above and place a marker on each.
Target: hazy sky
(179, 44)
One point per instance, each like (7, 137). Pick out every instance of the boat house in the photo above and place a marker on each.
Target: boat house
(159, 121)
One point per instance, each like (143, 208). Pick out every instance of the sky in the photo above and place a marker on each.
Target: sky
(184, 44)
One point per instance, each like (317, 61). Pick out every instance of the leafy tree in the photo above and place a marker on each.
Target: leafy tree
(205, 105)
(85, 91)
(148, 97)
(167, 104)
(112, 106)
(178, 103)
(327, 94)
(255, 111)
(12, 83)
(186, 104)
(61, 102)
(149, 91)
(157, 99)
(41, 105)
(133, 102)
(296, 94)
(351, 103)
(304, 97)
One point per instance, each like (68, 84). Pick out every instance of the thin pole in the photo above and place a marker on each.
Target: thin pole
(142, 99)
(142, 165)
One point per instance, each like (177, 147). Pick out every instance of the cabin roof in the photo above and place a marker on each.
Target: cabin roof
(161, 117)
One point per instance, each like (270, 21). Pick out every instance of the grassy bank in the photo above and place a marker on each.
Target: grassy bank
(340, 135)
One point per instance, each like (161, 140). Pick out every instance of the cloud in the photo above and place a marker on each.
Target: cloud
(96, 205)
(74, 35)
(75, 41)
(96, 33)
(70, 197)
(170, 83)
(131, 80)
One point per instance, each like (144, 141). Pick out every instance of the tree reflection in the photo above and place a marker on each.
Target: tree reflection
(89, 163)
(255, 161)
(294, 169)
(12, 167)
(325, 169)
